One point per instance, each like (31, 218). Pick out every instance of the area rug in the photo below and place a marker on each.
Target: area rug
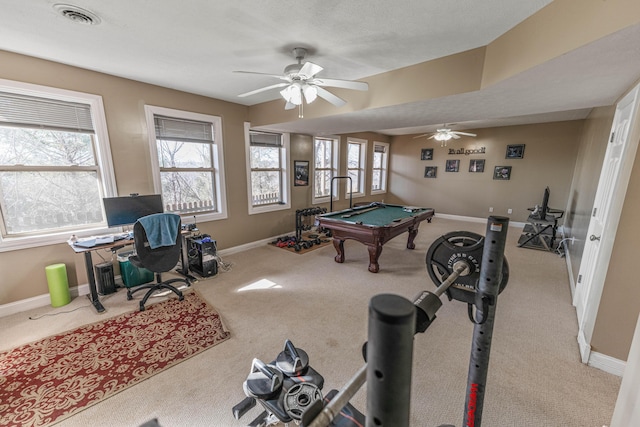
(59, 376)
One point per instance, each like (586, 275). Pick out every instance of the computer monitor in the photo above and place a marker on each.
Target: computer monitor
(127, 210)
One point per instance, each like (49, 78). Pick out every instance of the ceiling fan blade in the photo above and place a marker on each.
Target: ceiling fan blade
(289, 106)
(454, 135)
(328, 96)
(421, 136)
(464, 133)
(277, 76)
(346, 84)
(253, 92)
(309, 69)
(432, 136)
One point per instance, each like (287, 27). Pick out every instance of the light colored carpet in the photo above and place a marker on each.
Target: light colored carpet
(535, 376)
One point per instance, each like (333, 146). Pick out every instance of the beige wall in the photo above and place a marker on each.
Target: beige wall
(549, 156)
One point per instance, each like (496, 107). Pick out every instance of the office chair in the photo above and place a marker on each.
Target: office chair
(157, 259)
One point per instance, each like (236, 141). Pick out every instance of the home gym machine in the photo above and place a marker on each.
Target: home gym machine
(467, 267)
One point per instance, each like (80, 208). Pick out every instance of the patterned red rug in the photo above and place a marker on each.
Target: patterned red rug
(52, 379)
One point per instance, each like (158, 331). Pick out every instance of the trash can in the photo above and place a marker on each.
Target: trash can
(132, 275)
(58, 284)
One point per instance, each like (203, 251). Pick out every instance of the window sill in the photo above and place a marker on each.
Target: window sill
(376, 192)
(27, 242)
(269, 208)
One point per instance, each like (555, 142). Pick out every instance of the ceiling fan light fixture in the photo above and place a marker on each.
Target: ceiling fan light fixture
(310, 93)
(442, 136)
(292, 94)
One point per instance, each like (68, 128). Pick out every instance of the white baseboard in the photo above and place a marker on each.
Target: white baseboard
(607, 363)
(38, 301)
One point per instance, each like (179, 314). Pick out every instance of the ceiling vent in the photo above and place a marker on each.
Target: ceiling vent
(77, 14)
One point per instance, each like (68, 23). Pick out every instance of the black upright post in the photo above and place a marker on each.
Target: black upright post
(486, 299)
(389, 360)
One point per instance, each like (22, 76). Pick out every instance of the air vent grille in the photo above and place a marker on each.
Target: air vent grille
(76, 14)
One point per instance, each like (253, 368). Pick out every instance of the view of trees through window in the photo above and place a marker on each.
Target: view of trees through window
(186, 173)
(323, 167)
(354, 166)
(265, 157)
(49, 179)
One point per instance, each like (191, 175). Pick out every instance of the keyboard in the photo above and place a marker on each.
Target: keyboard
(92, 241)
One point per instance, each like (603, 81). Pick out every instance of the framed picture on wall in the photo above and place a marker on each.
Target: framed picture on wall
(301, 170)
(426, 154)
(476, 165)
(430, 171)
(515, 151)
(452, 166)
(502, 173)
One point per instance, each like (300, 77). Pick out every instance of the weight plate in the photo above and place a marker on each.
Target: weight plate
(460, 246)
(299, 397)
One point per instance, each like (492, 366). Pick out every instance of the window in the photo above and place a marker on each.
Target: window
(187, 161)
(55, 164)
(325, 167)
(356, 159)
(268, 171)
(379, 167)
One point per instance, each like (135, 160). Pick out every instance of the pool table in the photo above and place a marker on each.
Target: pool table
(373, 225)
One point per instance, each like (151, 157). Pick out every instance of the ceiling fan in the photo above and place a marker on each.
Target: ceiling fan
(445, 134)
(301, 84)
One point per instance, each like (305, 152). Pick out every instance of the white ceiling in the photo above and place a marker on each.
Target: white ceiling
(195, 45)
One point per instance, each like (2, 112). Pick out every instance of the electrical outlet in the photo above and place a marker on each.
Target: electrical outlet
(490, 209)
(509, 211)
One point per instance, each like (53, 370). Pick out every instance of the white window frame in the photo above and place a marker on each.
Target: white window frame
(286, 175)
(384, 169)
(217, 160)
(362, 167)
(102, 152)
(335, 161)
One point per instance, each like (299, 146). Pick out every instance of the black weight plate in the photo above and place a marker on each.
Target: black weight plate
(456, 246)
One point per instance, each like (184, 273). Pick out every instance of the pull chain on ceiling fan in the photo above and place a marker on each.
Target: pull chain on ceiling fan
(300, 84)
(444, 134)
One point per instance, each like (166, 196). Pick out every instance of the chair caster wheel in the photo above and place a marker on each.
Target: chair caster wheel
(181, 297)
(141, 307)
(129, 296)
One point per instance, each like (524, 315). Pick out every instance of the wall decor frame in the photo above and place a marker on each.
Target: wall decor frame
(502, 173)
(426, 154)
(301, 171)
(515, 151)
(430, 171)
(452, 165)
(476, 165)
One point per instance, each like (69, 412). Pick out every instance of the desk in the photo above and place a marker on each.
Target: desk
(373, 226)
(88, 263)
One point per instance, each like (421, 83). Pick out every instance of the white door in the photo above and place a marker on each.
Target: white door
(612, 187)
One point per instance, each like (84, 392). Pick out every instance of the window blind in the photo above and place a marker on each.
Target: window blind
(263, 139)
(183, 130)
(32, 111)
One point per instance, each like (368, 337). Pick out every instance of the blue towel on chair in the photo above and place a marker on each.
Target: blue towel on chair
(161, 229)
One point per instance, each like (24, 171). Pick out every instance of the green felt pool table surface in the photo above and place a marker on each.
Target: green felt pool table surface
(373, 225)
